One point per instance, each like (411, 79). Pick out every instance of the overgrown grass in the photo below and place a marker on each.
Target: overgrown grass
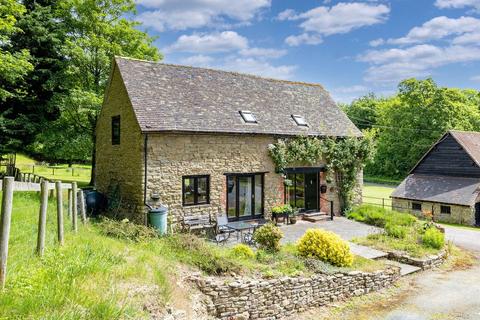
(88, 278)
(403, 232)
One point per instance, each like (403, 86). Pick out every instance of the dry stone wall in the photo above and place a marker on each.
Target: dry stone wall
(246, 298)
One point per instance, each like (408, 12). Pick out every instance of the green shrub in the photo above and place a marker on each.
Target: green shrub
(379, 217)
(243, 251)
(396, 231)
(401, 219)
(326, 246)
(190, 249)
(268, 237)
(433, 238)
(126, 230)
(286, 208)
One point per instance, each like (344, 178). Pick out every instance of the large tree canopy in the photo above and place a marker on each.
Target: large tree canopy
(407, 124)
(95, 31)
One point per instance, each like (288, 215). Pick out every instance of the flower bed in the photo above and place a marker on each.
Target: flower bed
(402, 233)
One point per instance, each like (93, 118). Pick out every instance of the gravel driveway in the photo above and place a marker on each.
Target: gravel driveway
(441, 294)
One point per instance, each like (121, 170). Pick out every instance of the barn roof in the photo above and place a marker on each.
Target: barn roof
(180, 98)
(468, 140)
(443, 189)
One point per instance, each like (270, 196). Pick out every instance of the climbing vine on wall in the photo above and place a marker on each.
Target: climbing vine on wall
(344, 158)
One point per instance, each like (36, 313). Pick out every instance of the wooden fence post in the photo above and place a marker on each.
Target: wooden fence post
(69, 211)
(42, 217)
(58, 187)
(74, 207)
(5, 219)
(82, 206)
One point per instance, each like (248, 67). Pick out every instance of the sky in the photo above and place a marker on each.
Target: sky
(350, 47)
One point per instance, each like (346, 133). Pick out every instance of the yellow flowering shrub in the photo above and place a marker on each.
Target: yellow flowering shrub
(326, 246)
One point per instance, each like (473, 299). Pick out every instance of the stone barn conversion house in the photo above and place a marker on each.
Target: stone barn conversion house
(445, 181)
(199, 139)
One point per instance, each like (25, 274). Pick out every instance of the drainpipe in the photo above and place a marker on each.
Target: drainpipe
(145, 172)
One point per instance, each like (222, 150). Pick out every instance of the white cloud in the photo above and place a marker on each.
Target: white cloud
(376, 42)
(352, 89)
(438, 28)
(457, 4)
(263, 52)
(257, 67)
(216, 42)
(341, 18)
(393, 65)
(288, 14)
(181, 15)
(304, 38)
(475, 78)
(198, 60)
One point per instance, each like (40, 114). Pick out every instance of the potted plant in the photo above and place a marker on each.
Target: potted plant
(292, 215)
(281, 211)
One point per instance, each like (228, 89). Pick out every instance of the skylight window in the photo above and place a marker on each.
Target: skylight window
(248, 117)
(300, 120)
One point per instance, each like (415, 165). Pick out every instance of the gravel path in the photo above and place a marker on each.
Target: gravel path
(443, 294)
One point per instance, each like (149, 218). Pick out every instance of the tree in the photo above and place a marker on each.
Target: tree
(364, 111)
(97, 30)
(413, 120)
(41, 33)
(14, 66)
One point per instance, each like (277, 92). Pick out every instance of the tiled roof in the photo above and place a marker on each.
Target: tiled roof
(443, 189)
(180, 98)
(470, 141)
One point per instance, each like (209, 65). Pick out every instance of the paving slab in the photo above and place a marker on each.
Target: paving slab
(366, 252)
(405, 269)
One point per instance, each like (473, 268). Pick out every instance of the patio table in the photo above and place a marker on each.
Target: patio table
(241, 226)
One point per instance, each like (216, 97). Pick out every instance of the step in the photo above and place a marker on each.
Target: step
(405, 269)
(315, 216)
(367, 252)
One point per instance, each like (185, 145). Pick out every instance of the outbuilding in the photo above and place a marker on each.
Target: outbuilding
(445, 182)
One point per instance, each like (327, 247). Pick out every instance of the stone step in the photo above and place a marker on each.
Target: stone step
(405, 269)
(315, 216)
(367, 252)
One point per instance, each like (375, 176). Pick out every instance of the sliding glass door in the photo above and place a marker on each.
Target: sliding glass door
(244, 196)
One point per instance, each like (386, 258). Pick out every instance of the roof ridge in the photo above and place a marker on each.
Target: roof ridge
(463, 131)
(225, 71)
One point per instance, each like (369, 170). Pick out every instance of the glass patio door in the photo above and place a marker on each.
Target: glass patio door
(244, 196)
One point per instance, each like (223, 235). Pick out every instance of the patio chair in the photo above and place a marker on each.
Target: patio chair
(222, 231)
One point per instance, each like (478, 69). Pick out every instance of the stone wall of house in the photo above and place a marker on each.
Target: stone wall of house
(172, 156)
(459, 214)
(242, 298)
(119, 168)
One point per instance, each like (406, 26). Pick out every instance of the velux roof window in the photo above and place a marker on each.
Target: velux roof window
(299, 120)
(248, 117)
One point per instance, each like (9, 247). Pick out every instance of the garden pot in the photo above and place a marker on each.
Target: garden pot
(293, 220)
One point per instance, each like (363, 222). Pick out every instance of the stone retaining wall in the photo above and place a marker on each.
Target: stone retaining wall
(425, 263)
(247, 298)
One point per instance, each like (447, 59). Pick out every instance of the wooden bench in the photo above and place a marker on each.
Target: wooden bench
(198, 222)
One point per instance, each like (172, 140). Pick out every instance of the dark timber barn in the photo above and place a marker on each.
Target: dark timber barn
(445, 181)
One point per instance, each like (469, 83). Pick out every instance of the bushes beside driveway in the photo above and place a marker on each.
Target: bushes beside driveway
(402, 232)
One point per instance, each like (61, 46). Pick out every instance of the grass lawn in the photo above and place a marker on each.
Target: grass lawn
(373, 193)
(77, 172)
(111, 270)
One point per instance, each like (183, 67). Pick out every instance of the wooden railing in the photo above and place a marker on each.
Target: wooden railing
(8, 186)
